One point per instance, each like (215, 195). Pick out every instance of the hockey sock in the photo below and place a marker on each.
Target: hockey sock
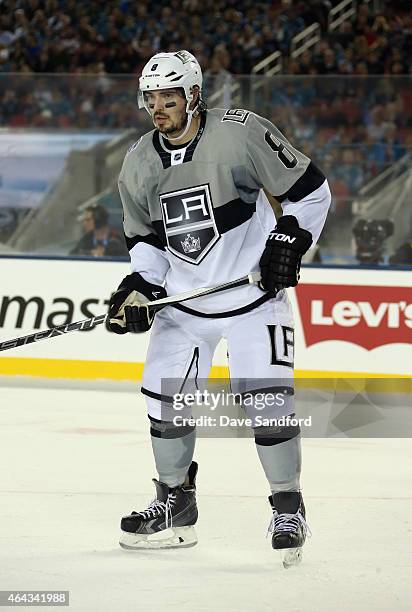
(280, 456)
(173, 448)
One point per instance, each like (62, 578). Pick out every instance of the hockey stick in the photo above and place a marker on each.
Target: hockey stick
(254, 277)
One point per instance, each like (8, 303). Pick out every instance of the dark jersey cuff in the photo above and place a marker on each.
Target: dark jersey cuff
(311, 180)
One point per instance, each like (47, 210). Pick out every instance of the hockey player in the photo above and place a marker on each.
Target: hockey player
(195, 215)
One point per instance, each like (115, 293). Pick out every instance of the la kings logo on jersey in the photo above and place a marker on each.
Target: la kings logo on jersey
(237, 115)
(189, 222)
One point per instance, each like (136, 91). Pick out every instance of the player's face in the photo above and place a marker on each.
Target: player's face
(168, 110)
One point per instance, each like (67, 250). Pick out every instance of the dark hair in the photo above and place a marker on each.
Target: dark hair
(100, 215)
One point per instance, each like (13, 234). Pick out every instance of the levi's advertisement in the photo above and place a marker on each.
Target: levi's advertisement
(366, 316)
(354, 320)
(346, 320)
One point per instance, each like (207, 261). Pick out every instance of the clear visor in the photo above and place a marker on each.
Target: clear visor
(142, 95)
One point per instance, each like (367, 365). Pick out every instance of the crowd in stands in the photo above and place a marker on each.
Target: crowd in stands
(353, 127)
(369, 44)
(338, 122)
(69, 101)
(119, 36)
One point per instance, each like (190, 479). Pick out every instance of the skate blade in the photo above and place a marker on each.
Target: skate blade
(174, 537)
(291, 556)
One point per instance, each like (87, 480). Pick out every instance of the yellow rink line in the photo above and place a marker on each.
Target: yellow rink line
(70, 368)
(127, 371)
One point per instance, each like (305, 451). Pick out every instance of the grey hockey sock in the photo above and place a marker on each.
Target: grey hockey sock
(173, 448)
(281, 459)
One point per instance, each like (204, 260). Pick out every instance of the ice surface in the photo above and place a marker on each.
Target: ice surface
(73, 461)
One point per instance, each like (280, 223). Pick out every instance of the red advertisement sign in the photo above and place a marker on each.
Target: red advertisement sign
(369, 316)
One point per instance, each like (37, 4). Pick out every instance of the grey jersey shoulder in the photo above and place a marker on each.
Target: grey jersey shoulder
(233, 120)
(141, 147)
(139, 152)
(271, 161)
(229, 129)
(239, 122)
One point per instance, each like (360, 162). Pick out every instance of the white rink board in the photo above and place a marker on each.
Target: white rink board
(77, 281)
(347, 320)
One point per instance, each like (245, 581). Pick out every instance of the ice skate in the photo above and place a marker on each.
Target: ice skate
(288, 526)
(168, 520)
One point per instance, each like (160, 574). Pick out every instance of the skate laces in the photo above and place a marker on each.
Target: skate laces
(157, 507)
(288, 523)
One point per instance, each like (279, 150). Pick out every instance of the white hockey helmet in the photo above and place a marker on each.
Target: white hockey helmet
(170, 71)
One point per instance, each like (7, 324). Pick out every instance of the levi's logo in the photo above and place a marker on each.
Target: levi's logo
(282, 237)
(367, 316)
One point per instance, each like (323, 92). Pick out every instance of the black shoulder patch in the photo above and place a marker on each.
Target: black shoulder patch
(310, 180)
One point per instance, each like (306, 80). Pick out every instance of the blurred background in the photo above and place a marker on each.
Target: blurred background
(335, 77)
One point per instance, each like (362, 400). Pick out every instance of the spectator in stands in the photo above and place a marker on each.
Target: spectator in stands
(388, 149)
(218, 82)
(375, 62)
(344, 35)
(376, 124)
(327, 63)
(303, 130)
(99, 239)
(350, 170)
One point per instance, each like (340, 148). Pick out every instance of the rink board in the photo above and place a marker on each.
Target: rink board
(348, 322)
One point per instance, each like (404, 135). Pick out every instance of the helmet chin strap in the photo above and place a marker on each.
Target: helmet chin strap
(190, 114)
(185, 131)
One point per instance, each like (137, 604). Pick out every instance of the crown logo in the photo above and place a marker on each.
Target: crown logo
(191, 244)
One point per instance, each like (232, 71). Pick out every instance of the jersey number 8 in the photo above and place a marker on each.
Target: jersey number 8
(285, 156)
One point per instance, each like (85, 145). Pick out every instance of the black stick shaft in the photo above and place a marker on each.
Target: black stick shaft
(94, 321)
(53, 333)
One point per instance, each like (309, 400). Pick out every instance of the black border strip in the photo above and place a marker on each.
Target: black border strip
(165, 157)
(222, 315)
(195, 357)
(157, 396)
(150, 239)
(310, 180)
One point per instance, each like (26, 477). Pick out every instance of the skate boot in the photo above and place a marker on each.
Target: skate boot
(168, 520)
(288, 526)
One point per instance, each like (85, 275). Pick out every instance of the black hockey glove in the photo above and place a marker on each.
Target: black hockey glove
(280, 261)
(137, 318)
